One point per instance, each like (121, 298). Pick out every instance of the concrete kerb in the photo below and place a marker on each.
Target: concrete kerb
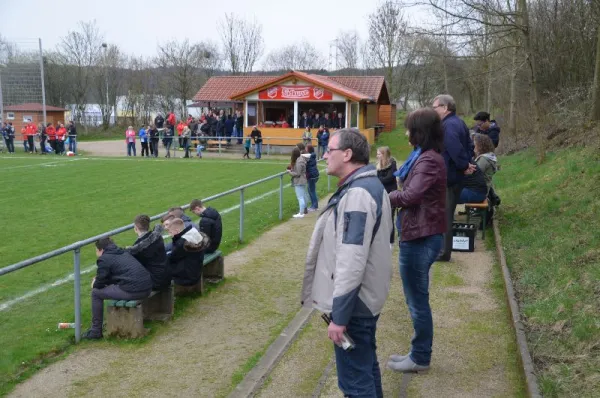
(524, 355)
(256, 377)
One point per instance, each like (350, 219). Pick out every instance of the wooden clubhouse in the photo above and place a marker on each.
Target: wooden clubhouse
(277, 103)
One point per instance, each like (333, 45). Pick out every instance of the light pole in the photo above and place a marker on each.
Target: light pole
(108, 109)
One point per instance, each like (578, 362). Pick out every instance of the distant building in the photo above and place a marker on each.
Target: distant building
(21, 114)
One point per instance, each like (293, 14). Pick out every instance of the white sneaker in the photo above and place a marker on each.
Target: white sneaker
(298, 215)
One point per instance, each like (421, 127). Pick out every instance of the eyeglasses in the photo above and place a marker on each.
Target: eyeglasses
(329, 150)
(437, 106)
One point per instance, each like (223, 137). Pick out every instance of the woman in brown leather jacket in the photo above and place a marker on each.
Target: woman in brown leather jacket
(421, 222)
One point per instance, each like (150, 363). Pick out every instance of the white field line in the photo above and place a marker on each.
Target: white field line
(40, 164)
(7, 304)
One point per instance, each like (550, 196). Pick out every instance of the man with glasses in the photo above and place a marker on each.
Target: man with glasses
(458, 151)
(348, 265)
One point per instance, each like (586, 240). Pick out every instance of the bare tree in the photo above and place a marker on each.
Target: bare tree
(109, 81)
(347, 43)
(184, 65)
(297, 56)
(387, 36)
(81, 49)
(242, 43)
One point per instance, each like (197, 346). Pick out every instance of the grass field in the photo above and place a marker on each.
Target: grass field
(49, 202)
(550, 231)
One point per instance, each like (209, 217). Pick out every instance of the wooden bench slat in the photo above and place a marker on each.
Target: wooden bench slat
(210, 257)
(482, 205)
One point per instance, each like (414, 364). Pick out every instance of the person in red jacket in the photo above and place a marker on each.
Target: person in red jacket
(31, 132)
(61, 135)
(180, 126)
(51, 132)
(24, 137)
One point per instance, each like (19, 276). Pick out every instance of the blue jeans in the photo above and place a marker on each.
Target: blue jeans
(258, 150)
(358, 369)
(312, 192)
(416, 257)
(322, 150)
(300, 192)
(130, 148)
(469, 196)
(73, 144)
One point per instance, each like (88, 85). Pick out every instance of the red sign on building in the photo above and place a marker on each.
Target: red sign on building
(295, 93)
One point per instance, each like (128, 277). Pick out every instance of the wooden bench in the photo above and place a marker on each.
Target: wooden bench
(125, 318)
(213, 270)
(482, 209)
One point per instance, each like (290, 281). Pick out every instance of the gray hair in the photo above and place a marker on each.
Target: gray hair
(447, 101)
(353, 139)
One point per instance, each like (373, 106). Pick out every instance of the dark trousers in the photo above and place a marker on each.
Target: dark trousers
(145, 149)
(452, 196)
(415, 258)
(60, 147)
(154, 147)
(53, 144)
(180, 142)
(130, 148)
(358, 369)
(111, 292)
(30, 143)
(247, 154)
(186, 146)
(10, 145)
(312, 192)
(168, 142)
(43, 145)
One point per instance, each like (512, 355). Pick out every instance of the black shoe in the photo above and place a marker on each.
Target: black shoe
(91, 334)
(443, 258)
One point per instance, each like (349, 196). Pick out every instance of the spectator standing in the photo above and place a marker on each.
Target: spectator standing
(239, 125)
(210, 224)
(297, 170)
(257, 137)
(247, 145)
(168, 141)
(72, 132)
(485, 126)
(154, 137)
(322, 140)
(180, 126)
(229, 123)
(386, 167)
(61, 135)
(51, 132)
(159, 121)
(130, 140)
(144, 141)
(421, 224)
(185, 137)
(149, 250)
(43, 138)
(10, 134)
(348, 270)
(119, 277)
(312, 174)
(457, 153)
(307, 136)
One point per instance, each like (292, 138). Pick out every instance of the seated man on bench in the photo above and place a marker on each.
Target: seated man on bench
(149, 250)
(119, 277)
(210, 223)
(177, 212)
(187, 254)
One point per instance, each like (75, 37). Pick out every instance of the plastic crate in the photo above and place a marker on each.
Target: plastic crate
(463, 237)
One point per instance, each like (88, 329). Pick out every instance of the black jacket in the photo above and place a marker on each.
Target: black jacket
(149, 250)
(159, 121)
(239, 123)
(118, 267)
(211, 225)
(387, 178)
(187, 256)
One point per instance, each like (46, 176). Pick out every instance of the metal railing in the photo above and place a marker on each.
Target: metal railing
(76, 247)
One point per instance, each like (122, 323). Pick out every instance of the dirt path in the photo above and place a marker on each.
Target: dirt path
(117, 148)
(204, 352)
(474, 353)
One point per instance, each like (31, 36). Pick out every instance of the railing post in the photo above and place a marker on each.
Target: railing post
(77, 280)
(268, 149)
(241, 215)
(281, 197)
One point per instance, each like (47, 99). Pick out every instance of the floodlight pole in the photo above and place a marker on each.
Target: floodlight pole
(43, 85)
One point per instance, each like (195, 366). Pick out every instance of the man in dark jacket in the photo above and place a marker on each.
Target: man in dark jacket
(458, 151)
(119, 277)
(187, 254)
(239, 125)
(159, 121)
(210, 223)
(487, 127)
(72, 132)
(149, 250)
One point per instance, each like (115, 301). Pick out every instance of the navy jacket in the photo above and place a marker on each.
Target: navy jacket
(118, 267)
(493, 132)
(149, 250)
(311, 166)
(458, 148)
(211, 225)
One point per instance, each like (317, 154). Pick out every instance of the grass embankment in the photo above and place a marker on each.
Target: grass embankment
(550, 230)
(51, 202)
(396, 140)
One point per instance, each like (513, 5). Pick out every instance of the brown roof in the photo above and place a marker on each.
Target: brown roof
(32, 107)
(369, 85)
(222, 88)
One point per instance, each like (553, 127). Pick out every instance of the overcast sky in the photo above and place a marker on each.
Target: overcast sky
(135, 25)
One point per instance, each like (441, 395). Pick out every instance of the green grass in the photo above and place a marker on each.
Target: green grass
(396, 140)
(550, 229)
(49, 202)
